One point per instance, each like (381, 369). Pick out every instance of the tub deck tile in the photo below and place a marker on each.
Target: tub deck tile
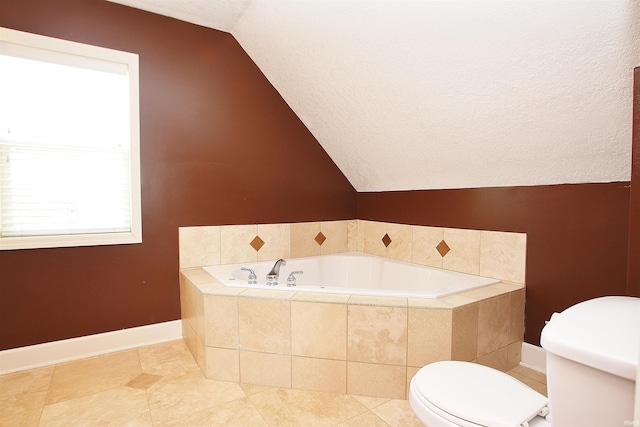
(377, 301)
(458, 300)
(484, 293)
(509, 286)
(427, 303)
(267, 294)
(320, 297)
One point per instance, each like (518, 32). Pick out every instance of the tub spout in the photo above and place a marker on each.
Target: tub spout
(272, 277)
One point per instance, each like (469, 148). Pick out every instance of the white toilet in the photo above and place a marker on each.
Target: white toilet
(592, 357)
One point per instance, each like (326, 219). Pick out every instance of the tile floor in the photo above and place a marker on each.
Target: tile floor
(161, 385)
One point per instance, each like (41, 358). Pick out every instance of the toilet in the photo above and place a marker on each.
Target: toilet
(592, 357)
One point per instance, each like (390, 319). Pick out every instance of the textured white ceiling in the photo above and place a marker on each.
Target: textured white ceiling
(447, 94)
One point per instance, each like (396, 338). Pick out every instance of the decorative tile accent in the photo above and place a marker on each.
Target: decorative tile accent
(443, 248)
(320, 238)
(386, 240)
(257, 243)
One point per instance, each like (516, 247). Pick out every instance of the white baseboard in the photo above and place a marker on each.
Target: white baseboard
(51, 353)
(534, 357)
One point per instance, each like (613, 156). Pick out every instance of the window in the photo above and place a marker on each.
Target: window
(69, 144)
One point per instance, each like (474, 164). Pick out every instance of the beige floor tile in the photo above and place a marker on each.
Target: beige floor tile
(93, 375)
(534, 379)
(529, 373)
(168, 359)
(368, 419)
(397, 413)
(371, 402)
(144, 381)
(239, 412)
(288, 407)
(250, 389)
(122, 406)
(497, 360)
(24, 418)
(24, 391)
(170, 390)
(174, 398)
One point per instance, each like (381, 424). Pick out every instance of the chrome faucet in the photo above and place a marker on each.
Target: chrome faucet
(252, 275)
(291, 280)
(272, 277)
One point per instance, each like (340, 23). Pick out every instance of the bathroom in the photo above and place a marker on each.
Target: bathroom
(250, 159)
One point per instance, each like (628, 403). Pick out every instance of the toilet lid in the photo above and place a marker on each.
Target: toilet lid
(478, 394)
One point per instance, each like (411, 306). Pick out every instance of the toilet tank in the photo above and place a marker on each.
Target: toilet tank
(592, 357)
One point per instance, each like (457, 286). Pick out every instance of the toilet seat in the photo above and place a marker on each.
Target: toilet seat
(468, 394)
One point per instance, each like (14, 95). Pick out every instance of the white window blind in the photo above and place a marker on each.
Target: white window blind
(69, 144)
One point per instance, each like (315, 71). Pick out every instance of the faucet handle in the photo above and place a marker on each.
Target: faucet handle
(291, 280)
(252, 275)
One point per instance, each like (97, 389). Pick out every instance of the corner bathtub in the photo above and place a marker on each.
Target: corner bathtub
(353, 273)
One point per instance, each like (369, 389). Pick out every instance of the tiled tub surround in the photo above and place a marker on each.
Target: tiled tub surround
(347, 343)
(485, 253)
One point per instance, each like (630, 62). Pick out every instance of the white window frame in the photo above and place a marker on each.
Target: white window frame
(17, 39)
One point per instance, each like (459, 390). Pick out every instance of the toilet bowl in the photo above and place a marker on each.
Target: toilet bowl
(592, 358)
(451, 393)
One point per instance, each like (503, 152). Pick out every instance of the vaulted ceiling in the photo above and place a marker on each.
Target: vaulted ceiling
(426, 94)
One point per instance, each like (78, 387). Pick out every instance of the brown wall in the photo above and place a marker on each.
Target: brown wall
(576, 234)
(218, 146)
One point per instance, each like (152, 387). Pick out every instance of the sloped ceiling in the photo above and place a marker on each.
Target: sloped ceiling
(408, 95)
